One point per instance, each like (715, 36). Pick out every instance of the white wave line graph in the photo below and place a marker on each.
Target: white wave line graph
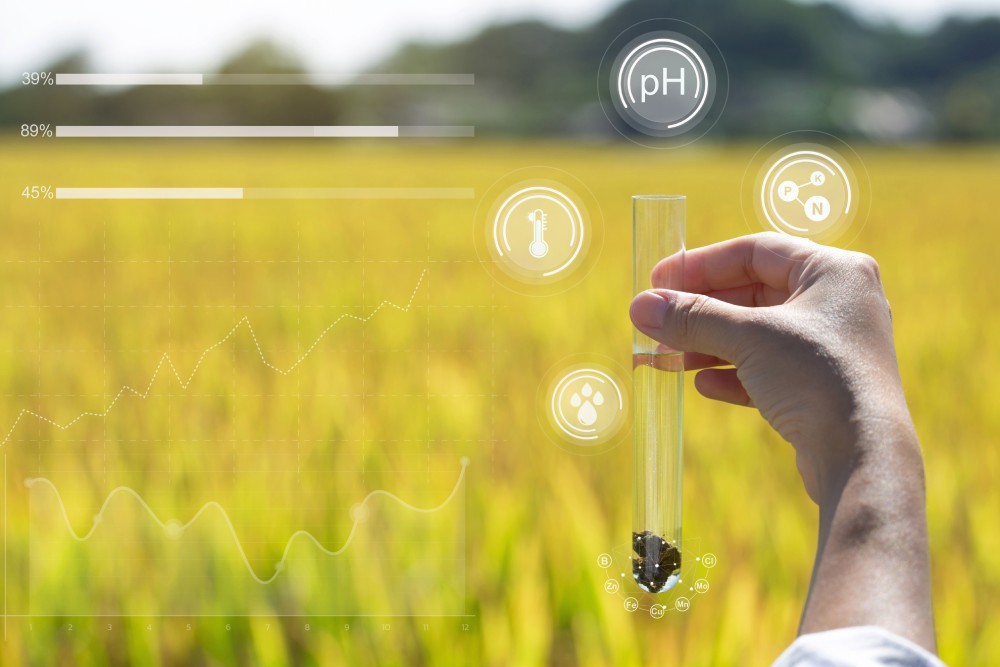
(165, 359)
(174, 528)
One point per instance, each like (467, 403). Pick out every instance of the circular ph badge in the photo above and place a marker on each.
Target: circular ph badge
(663, 83)
(663, 80)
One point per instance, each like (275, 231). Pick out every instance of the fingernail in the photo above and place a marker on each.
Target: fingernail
(649, 309)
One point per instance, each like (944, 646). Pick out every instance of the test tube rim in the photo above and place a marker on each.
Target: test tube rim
(660, 197)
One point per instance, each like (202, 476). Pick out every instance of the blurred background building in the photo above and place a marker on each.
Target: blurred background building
(884, 71)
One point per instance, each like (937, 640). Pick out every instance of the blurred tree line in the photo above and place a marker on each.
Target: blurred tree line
(790, 66)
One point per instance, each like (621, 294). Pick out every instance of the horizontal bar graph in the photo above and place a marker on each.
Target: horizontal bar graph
(129, 79)
(335, 80)
(265, 193)
(260, 131)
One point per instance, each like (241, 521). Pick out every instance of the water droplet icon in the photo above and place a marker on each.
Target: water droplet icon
(587, 414)
(598, 398)
(575, 400)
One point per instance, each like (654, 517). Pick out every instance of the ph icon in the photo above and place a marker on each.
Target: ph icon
(662, 83)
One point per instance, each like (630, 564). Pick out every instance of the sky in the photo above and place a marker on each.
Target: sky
(334, 36)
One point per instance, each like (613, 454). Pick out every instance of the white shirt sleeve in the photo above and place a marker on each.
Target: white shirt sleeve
(863, 646)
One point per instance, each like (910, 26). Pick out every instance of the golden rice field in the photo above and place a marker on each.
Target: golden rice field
(209, 312)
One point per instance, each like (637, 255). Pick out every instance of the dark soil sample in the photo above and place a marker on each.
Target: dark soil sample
(654, 562)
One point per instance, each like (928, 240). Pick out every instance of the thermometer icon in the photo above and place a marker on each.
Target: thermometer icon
(538, 248)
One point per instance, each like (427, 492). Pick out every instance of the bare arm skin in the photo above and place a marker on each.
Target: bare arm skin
(803, 333)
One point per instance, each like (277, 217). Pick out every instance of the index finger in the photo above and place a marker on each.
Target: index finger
(769, 258)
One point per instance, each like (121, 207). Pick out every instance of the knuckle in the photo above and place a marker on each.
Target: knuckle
(867, 266)
(867, 271)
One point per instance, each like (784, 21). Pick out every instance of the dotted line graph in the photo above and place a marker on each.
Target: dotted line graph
(165, 360)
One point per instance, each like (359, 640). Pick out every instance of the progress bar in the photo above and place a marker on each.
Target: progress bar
(256, 131)
(165, 79)
(265, 193)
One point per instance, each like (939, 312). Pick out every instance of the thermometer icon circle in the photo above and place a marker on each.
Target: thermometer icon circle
(538, 248)
(538, 232)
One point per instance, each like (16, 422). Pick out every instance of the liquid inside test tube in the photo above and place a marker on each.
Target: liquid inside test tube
(658, 386)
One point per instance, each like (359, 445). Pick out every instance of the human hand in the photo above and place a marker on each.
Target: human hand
(809, 332)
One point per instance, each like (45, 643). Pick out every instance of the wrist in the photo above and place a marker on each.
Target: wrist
(882, 445)
(873, 542)
(881, 464)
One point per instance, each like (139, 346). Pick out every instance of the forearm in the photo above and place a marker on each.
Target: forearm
(872, 565)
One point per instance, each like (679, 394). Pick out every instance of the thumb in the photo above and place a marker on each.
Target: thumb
(690, 322)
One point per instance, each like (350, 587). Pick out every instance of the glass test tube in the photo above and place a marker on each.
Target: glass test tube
(658, 386)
